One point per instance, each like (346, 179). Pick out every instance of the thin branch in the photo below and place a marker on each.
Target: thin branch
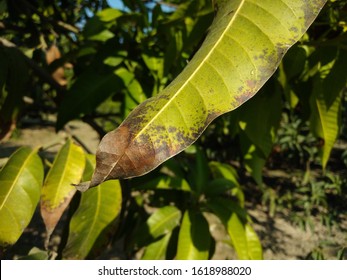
(46, 77)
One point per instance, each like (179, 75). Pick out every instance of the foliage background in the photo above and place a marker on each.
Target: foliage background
(65, 60)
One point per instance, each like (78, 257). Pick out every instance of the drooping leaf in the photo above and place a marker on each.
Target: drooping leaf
(134, 93)
(157, 249)
(20, 185)
(93, 220)
(13, 87)
(235, 220)
(194, 237)
(243, 48)
(225, 178)
(57, 190)
(258, 122)
(326, 102)
(325, 120)
(161, 222)
(91, 88)
(255, 250)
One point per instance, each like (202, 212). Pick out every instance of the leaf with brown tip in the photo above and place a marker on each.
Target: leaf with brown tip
(243, 48)
(57, 191)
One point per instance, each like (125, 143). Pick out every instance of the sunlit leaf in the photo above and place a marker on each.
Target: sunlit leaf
(157, 249)
(235, 220)
(57, 191)
(93, 220)
(255, 249)
(326, 103)
(20, 185)
(194, 237)
(228, 69)
(161, 222)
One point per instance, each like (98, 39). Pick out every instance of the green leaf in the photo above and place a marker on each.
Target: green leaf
(226, 178)
(14, 80)
(325, 120)
(20, 185)
(228, 69)
(199, 172)
(92, 222)
(97, 28)
(255, 249)
(36, 254)
(235, 220)
(328, 85)
(134, 93)
(160, 181)
(161, 222)
(157, 249)
(57, 191)
(194, 237)
(89, 91)
(258, 122)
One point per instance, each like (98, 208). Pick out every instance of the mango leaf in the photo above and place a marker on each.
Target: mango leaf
(97, 28)
(161, 222)
(20, 185)
(95, 217)
(57, 190)
(157, 249)
(36, 254)
(243, 48)
(13, 86)
(325, 120)
(194, 237)
(328, 85)
(255, 249)
(236, 222)
(89, 91)
(258, 122)
(225, 178)
(134, 93)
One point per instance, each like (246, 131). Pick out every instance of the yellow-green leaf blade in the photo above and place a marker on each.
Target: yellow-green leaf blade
(161, 222)
(93, 219)
(157, 249)
(20, 185)
(242, 50)
(57, 190)
(244, 239)
(194, 237)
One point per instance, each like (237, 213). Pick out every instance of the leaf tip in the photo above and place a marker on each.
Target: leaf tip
(82, 187)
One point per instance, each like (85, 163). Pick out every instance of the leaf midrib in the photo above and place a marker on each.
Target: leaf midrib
(165, 220)
(184, 84)
(21, 169)
(196, 70)
(54, 199)
(97, 212)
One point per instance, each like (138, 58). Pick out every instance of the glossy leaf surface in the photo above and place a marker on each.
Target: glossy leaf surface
(161, 222)
(94, 218)
(194, 237)
(20, 185)
(244, 239)
(243, 48)
(57, 191)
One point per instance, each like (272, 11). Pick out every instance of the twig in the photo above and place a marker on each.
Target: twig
(46, 77)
